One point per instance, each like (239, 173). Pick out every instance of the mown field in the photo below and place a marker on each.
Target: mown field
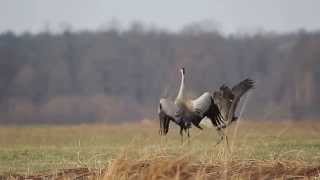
(36, 149)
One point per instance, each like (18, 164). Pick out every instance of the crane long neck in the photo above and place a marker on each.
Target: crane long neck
(180, 96)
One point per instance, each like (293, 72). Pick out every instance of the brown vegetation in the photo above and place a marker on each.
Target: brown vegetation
(184, 168)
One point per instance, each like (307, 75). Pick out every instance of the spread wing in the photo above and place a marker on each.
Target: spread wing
(238, 91)
(227, 99)
(202, 104)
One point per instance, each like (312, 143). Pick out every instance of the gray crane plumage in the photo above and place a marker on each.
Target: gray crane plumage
(169, 112)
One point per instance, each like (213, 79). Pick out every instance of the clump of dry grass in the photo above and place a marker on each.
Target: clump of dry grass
(185, 167)
(163, 167)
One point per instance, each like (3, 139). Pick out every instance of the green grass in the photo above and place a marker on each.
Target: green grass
(30, 149)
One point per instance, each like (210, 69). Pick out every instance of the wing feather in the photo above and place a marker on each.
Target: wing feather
(223, 103)
(238, 91)
(202, 103)
(241, 88)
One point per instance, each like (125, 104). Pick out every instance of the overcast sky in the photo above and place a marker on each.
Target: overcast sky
(232, 15)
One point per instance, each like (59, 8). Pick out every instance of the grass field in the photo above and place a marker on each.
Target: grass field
(36, 149)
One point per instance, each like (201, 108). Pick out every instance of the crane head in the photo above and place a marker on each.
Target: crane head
(183, 71)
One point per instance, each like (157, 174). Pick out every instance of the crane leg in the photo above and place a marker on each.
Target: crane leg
(228, 143)
(181, 134)
(188, 136)
(221, 135)
(160, 129)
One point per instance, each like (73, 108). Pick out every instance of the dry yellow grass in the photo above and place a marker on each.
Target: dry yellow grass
(186, 168)
(284, 149)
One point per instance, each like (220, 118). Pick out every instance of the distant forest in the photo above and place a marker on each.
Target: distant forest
(117, 75)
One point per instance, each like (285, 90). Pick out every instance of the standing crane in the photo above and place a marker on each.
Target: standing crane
(184, 111)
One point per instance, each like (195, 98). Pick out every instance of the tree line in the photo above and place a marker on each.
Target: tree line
(117, 76)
